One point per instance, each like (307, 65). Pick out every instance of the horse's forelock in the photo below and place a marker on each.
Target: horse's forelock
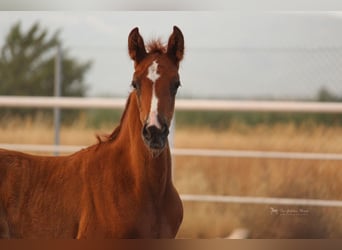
(156, 46)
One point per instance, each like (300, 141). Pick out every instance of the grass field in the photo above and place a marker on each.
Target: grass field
(237, 176)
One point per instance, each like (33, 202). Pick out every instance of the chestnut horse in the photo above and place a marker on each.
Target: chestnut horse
(118, 188)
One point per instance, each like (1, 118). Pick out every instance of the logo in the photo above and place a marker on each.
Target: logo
(274, 211)
(281, 211)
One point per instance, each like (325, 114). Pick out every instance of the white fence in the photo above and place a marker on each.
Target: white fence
(214, 105)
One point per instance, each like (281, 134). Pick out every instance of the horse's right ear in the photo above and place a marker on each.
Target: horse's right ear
(136, 46)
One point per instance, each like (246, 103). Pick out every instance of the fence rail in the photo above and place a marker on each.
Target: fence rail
(181, 104)
(262, 200)
(189, 152)
(213, 105)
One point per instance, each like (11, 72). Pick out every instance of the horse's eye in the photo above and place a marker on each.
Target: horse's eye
(135, 85)
(174, 87)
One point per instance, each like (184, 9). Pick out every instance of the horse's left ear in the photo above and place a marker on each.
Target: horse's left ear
(175, 46)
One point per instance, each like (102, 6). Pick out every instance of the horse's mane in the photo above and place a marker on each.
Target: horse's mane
(116, 131)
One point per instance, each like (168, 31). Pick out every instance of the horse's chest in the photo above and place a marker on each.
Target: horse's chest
(162, 220)
(129, 220)
(150, 221)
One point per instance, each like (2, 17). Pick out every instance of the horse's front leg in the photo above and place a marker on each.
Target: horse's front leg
(172, 214)
(4, 229)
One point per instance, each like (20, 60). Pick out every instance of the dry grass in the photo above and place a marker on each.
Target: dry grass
(38, 131)
(237, 176)
(263, 178)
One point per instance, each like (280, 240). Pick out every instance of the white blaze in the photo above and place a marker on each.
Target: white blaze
(153, 76)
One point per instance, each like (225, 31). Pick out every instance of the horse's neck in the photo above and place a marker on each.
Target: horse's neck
(154, 171)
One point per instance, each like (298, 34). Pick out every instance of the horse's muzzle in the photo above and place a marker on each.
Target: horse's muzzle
(154, 137)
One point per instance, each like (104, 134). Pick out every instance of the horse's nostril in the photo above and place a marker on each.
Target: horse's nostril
(150, 132)
(147, 133)
(165, 130)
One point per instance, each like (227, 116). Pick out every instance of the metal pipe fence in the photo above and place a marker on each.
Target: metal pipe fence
(181, 104)
(208, 105)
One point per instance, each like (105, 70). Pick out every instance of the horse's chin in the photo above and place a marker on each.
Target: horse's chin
(156, 152)
(155, 149)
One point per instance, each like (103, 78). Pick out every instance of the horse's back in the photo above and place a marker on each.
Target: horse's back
(34, 192)
(9, 163)
(17, 167)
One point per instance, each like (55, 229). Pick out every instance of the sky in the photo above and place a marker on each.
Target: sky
(176, 5)
(229, 54)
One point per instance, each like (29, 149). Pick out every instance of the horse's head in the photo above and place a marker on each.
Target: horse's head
(155, 83)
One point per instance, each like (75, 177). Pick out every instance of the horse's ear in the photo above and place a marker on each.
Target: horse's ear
(136, 46)
(175, 46)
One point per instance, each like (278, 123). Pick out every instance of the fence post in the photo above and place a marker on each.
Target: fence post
(57, 93)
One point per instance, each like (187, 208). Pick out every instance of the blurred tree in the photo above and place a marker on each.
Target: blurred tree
(27, 64)
(324, 95)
